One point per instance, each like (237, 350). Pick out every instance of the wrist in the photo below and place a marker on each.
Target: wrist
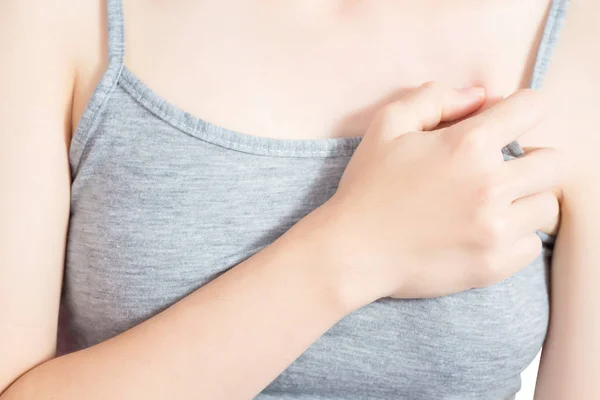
(322, 239)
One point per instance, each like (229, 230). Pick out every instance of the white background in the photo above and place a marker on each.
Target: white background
(528, 378)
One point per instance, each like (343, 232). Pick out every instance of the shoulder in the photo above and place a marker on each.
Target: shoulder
(46, 24)
(51, 43)
(38, 48)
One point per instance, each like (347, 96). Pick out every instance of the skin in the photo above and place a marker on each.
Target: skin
(73, 56)
(571, 353)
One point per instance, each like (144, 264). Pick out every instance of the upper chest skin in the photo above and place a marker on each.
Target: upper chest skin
(307, 70)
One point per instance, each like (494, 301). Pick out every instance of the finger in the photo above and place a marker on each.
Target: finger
(506, 121)
(538, 212)
(424, 108)
(558, 169)
(522, 253)
(540, 170)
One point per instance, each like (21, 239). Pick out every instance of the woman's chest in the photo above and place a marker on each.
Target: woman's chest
(308, 70)
(156, 214)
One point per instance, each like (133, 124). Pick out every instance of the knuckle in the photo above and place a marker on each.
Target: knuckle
(431, 86)
(487, 270)
(472, 142)
(487, 192)
(551, 204)
(468, 144)
(431, 94)
(387, 115)
(545, 211)
(489, 233)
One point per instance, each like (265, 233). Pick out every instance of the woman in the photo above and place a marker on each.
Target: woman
(230, 259)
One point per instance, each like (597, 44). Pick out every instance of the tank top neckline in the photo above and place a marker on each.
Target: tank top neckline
(118, 75)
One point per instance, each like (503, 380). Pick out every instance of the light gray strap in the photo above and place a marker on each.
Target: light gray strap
(116, 32)
(116, 51)
(556, 19)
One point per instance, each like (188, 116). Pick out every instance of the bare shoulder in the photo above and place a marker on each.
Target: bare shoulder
(68, 36)
(51, 25)
(16, 11)
(57, 38)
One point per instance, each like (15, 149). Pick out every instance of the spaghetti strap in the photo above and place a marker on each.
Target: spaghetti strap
(556, 19)
(116, 53)
(116, 32)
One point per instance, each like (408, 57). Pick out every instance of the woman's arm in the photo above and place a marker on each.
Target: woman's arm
(570, 362)
(280, 307)
(227, 340)
(36, 82)
(279, 301)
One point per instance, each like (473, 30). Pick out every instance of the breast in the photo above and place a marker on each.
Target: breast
(471, 345)
(157, 213)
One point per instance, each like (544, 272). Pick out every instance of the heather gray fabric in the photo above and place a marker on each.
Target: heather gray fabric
(163, 202)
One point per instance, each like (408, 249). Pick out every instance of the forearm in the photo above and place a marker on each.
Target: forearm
(228, 340)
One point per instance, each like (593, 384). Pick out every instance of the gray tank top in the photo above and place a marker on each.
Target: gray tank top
(163, 202)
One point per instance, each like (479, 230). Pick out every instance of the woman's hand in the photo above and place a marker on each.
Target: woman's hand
(422, 212)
